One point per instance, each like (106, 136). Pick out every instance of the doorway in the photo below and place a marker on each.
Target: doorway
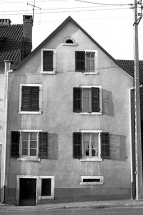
(27, 192)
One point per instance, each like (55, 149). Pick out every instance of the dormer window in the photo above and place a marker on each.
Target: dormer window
(69, 41)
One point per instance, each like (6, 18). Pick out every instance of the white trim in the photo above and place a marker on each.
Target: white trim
(91, 177)
(90, 131)
(40, 99)
(54, 62)
(22, 130)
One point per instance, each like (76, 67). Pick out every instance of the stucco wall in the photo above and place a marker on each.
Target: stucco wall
(60, 121)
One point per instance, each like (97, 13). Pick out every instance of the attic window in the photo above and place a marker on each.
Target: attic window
(69, 41)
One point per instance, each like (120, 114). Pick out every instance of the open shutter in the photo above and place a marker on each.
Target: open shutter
(43, 145)
(77, 145)
(34, 91)
(95, 99)
(77, 99)
(15, 139)
(47, 60)
(25, 98)
(105, 145)
(79, 61)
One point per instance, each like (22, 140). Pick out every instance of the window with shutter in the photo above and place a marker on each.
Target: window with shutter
(87, 100)
(15, 140)
(92, 145)
(77, 145)
(43, 145)
(105, 145)
(30, 98)
(48, 61)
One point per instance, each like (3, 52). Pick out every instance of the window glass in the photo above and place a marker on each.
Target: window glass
(86, 100)
(46, 187)
(29, 144)
(90, 62)
(90, 145)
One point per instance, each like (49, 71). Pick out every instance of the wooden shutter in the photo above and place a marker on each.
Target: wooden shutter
(30, 98)
(105, 145)
(47, 60)
(15, 139)
(95, 99)
(77, 145)
(34, 95)
(79, 61)
(43, 145)
(77, 99)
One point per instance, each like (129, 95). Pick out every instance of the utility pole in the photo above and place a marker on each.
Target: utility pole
(138, 147)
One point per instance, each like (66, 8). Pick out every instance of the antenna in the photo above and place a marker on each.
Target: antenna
(33, 5)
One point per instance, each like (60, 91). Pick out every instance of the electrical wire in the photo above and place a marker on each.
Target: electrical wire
(102, 3)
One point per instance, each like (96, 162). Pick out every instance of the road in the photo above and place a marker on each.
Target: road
(81, 211)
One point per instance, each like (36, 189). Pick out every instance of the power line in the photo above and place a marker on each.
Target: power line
(102, 3)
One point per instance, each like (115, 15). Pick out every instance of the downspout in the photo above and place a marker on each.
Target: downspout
(3, 167)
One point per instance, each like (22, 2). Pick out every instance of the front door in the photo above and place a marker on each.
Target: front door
(27, 196)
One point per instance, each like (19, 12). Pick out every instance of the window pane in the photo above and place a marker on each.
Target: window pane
(32, 152)
(86, 140)
(94, 144)
(24, 147)
(46, 187)
(33, 136)
(33, 144)
(24, 151)
(86, 100)
(24, 136)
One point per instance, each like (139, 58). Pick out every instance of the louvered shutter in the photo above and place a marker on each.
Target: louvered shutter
(95, 99)
(77, 99)
(34, 95)
(47, 60)
(25, 98)
(15, 139)
(77, 145)
(79, 61)
(105, 145)
(43, 145)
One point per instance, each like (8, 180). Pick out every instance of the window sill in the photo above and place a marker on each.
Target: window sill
(91, 183)
(28, 159)
(90, 73)
(69, 44)
(46, 197)
(91, 159)
(30, 112)
(48, 72)
(92, 113)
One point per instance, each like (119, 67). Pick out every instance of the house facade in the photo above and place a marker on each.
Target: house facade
(15, 45)
(68, 123)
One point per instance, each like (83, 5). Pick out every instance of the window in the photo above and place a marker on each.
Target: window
(91, 145)
(86, 61)
(91, 180)
(87, 99)
(30, 98)
(32, 144)
(69, 41)
(47, 187)
(48, 61)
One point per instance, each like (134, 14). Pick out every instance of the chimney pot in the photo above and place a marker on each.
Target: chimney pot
(5, 22)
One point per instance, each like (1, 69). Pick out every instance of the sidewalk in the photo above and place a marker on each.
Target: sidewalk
(74, 205)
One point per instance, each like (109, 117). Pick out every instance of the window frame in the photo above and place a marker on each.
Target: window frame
(40, 99)
(52, 187)
(52, 72)
(91, 183)
(100, 100)
(95, 62)
(99, 158)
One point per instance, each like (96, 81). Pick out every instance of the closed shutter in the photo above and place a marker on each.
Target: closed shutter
(79, 61)
(95, 99)
(43, 145)
(15, 139)
(105, 145)
(77, 99)
(47, 60)
(30, 98)
(77, 145)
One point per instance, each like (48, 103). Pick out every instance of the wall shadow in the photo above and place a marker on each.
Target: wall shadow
(107, 103)
(52, 146)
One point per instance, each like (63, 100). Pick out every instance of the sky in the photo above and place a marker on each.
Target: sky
(109, 22)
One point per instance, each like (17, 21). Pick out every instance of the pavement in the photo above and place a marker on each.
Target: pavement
(74, 205)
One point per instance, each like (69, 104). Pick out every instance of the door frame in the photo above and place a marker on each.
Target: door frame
(18, 186)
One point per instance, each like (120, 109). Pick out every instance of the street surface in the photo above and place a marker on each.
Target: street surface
(97, 211)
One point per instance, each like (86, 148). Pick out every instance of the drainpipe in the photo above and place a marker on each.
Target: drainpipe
(4, 142)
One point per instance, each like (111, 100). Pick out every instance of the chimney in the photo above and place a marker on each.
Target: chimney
(27, 35)
(5, 22)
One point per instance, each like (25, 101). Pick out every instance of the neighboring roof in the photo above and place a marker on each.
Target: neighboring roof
(58, 29)
(129, 66)
(11, 45)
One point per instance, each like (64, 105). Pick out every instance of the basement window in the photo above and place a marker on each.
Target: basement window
(47, 187)
(91, 180)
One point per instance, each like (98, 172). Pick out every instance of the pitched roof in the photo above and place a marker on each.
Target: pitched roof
(57, 30)
(11, 42)
(129, 66)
